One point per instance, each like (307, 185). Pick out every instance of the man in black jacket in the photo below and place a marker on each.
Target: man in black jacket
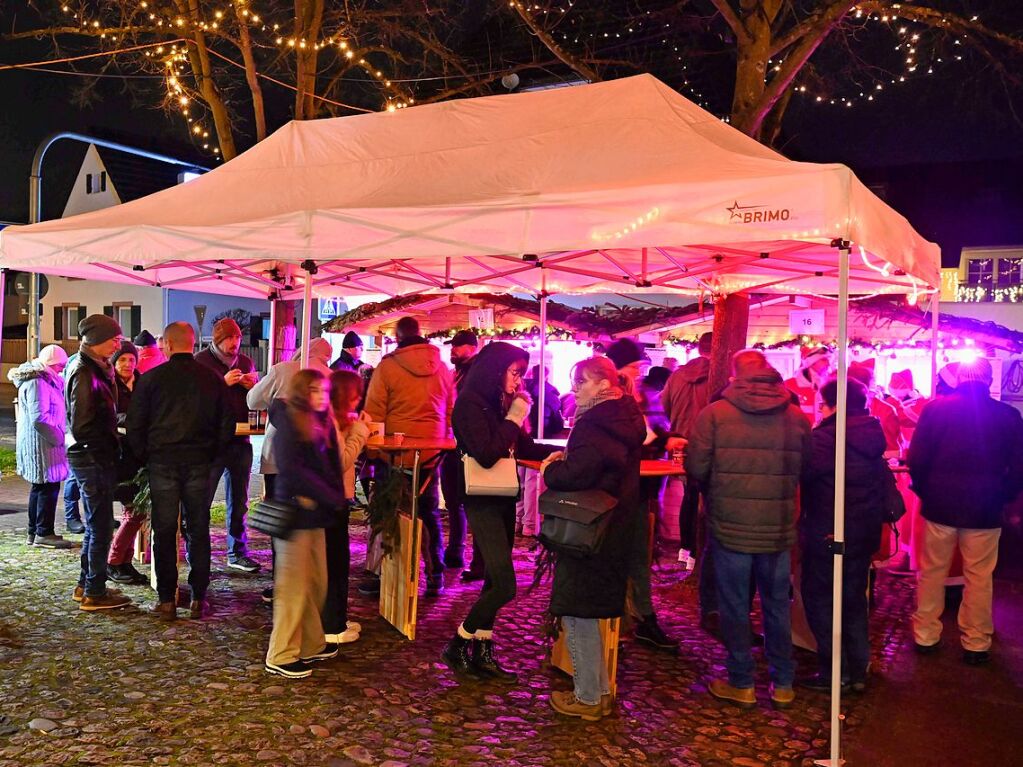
(966, 461)
(91, 398)
(464, 345)
(234, 462)
(178, 422)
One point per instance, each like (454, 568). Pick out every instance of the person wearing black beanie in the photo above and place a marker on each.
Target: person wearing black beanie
(351, 354)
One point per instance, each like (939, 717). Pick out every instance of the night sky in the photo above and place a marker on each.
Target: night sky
(930, 129)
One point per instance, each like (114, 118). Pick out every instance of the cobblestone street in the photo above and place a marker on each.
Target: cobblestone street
(124, 689)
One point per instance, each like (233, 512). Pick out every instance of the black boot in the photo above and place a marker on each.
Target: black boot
(457, 657)
(486, 664)
(647, 630)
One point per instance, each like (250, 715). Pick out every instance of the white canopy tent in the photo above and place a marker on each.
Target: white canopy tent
(622, 186)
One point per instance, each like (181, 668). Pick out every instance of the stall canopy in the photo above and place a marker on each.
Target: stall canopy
(611, 187)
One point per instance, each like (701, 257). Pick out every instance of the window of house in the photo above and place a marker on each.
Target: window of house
(68, 317)
(1010, 272)
(128, 316)
(95, 182)
(980, 273)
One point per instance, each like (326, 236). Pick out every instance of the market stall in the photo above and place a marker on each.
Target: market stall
(621, 186)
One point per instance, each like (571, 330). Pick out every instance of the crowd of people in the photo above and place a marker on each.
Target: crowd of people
(759, 460)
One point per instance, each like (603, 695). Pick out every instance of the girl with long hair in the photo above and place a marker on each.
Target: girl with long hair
(306, 453)
(488, 423)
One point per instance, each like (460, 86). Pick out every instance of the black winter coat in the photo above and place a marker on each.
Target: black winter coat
(308, 469)
(481, 430)
(603, 452)
(235, 394)
(90, 395)
(865, 482)
(179, 414)
(966, 458)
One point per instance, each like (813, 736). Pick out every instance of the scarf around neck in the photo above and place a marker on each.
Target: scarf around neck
(102, 362)
(582, 406)
(231, 362)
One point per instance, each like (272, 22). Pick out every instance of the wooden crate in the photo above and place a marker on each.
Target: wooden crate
(609, 630)
(399, 579)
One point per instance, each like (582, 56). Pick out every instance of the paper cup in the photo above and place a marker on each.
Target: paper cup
(376, 433)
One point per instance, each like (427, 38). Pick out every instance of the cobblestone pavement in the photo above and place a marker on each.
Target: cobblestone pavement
(124, 689)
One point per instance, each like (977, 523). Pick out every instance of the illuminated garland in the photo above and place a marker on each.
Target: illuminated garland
(510, 334)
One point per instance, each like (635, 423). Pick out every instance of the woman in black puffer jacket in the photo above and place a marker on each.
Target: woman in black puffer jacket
(604, 453)
(487, 420)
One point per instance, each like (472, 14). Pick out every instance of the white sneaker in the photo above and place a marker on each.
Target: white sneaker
(345, 637)
(685, 557)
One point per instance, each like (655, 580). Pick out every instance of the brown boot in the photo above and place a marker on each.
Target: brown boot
(743, 697)
(607, 704)
(106, 601)
(165, 611)
(566, 703)
(197, 609)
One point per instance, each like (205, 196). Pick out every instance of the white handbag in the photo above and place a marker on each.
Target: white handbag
(501, 479)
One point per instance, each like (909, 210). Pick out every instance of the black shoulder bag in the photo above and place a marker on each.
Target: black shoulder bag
(274, 518)
(575, 522)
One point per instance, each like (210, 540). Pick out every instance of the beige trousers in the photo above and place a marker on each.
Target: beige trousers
(979, 549)
(300, 588)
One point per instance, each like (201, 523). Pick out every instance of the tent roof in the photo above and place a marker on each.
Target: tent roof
(616, 186)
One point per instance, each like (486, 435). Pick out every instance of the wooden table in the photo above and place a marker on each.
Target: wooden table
(399, 570)
(649, 468)
(244, 430)
(609, 627)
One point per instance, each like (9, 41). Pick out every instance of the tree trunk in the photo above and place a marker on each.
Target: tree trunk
(285, 331)
(251, 74)
(202, 70)
(308, 21)
(731, 318)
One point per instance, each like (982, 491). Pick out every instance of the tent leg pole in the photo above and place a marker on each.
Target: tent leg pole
(841, 413)
(542, 382)
(307, 315)
(32, 347)
(935, 317)
(3, 296)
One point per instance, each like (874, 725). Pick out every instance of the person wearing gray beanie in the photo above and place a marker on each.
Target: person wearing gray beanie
(91, 396)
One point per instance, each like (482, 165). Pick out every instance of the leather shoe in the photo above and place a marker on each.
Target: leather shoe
(197, 609)
(743, 697)
(975, 658)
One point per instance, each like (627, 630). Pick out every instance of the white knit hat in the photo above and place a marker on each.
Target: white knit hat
(52, 355)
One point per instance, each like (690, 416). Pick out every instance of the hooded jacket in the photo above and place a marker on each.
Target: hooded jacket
(481, 429)
(273, 385)
(603, 452)
(865, 480)
(150, 357)
(41, 456)
(412, 392)
(685, 394)
(748, 450)
(966, 458)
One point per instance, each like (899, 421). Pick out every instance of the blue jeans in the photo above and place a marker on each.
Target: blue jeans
(772, 571)
(42, 507)
(589, 672)
(816, 583)
(96, 484)
(71, 498)
(235, 465)
(180, 488)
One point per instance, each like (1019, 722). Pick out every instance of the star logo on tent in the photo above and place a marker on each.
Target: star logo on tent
(736, 210)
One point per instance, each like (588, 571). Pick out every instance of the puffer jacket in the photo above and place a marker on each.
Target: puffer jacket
(685, 394)
(966, 458)
(273, 385)
(412, 392)
(149, 358)
(865, 483)
(42, 418)
(481, 430)
(748, 450)
(90, 396)
(603, 452)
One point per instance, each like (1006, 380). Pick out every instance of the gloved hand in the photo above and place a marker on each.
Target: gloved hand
(520, 407)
